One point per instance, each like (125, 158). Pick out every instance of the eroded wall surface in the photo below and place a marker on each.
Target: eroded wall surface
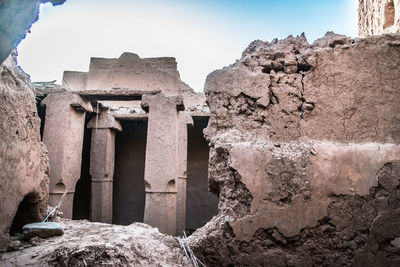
(23, 158)
(131, 71)
(378, 17)
(130, 153)
(305, 154)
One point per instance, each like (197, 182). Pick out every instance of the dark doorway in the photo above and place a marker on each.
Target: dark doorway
(128, 187)
(28, 212)
(201, 205)
(82, 194)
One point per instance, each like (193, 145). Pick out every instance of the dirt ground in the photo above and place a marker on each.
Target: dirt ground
(92, 244)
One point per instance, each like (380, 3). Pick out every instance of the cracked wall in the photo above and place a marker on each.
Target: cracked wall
(305, 154)
(23, 158)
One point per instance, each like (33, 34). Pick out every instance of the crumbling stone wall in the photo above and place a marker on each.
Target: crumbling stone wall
(378, 17)
(23, 158)
(305, 154)
(16, 18)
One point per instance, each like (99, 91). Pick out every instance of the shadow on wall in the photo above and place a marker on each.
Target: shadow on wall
(201, 205)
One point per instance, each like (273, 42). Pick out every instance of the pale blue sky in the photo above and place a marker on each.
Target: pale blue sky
(202, 35)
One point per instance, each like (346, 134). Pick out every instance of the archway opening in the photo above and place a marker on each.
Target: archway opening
(27, 212)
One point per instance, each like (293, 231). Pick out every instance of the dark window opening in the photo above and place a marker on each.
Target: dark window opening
(389, 14)
(28, 212)
(201, 205)
(128, 185)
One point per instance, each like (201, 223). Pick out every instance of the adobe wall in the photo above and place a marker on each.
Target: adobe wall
(378, 17)
(305, 155)
(128, 71)
(131, 71)
(23, 158)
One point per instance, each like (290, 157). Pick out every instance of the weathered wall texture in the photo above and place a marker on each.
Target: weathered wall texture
(23, 158)
(131, 71)
(305, 155)
(378, 17)
(16, 18)
(127, 71)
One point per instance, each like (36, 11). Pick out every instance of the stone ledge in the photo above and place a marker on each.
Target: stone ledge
(115, 94)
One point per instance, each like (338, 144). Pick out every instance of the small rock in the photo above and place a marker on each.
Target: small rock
(267, 242)
(278, 236)
(313, 151)
(42, 230)
(14, 245)
(290, 69)
(263, 101)
(34, 240)
(396, 242)
(308, 106)
(17, 236)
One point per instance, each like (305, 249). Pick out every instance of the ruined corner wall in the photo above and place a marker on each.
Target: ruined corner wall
(16, 18)
(23, 158)
(305, 155)
(378, 17)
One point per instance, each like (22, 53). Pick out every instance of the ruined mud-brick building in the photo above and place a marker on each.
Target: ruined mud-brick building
(378, 17)
(118, 139)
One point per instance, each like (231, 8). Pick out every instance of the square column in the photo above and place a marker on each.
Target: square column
(102, 160)
(63, 136)
(161, 170)
(185, 120)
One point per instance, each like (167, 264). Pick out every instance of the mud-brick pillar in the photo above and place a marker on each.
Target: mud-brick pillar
(161, 170)
(102, 156)
(63, 136)
(185, 120)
